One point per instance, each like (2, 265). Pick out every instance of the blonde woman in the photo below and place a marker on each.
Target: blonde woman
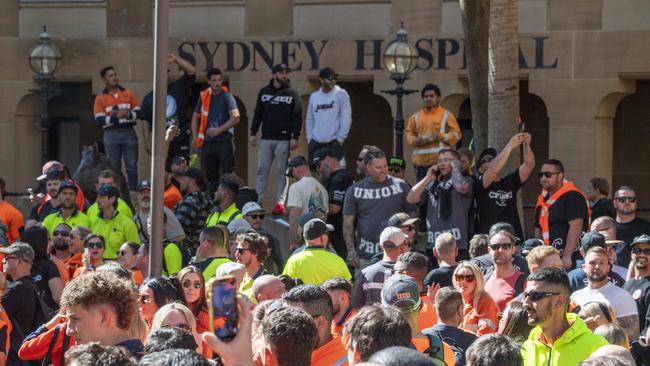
(614, 333)
(178, 315)
(480, 311)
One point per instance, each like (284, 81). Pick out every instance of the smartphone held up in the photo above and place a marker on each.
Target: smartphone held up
(222, 306)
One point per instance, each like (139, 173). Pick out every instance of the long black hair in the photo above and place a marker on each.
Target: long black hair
(166, 290)
(38, 238)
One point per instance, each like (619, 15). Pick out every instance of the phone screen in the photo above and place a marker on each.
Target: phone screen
(223, 304)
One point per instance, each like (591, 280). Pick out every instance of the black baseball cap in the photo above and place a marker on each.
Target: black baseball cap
(641, 239)
(530, 244)
(294, 162)
(280, 68)
(592, 239)
(145, 184)
(327, 73)
(321, 154)
(396, 161)
(109, 191)
(402, 219)
(490, 151)
(314, 228)
(70, 185)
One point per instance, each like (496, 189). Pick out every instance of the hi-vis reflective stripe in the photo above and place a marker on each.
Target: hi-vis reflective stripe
(204, 112)
(373, 285)
(430, 150)
(201, 136)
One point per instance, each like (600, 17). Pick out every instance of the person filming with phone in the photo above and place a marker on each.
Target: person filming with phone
(448, 195)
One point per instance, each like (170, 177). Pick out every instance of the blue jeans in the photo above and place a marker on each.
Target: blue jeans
(122, 143)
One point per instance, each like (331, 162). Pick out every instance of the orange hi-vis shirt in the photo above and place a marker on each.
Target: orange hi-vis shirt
(428, 316)
(482, 319)
(337, 327)
(64, 274)
(203, 321)
(438, 127)
(107, 104)
(73, 262)
(36, 348)
(422, 344)
(5, 322)
(10, 216)
(331, 353)
(172, 196)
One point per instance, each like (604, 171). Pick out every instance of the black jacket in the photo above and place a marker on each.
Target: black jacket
(279, 111)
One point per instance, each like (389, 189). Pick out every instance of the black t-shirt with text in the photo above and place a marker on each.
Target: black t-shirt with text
(498, 203)
(336, 186)
(570, 206)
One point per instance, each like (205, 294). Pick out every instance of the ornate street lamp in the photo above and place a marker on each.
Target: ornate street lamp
(400, 59)
(44, 59)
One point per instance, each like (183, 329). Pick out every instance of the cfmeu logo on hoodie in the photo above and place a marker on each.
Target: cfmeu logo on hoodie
(277, 99)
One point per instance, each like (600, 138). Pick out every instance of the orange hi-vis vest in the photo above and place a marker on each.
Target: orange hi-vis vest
(205, 97)
(546, 206)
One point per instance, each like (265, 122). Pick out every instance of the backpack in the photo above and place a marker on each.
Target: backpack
(436, 349)
(4, 239)
(458, 351)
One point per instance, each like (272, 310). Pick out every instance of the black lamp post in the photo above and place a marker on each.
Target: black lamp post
(400, 58)
(44, 59)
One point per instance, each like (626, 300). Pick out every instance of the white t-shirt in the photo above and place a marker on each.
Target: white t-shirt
(619, 299)
(310, 195)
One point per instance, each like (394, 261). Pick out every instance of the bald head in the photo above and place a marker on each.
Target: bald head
(267, 287)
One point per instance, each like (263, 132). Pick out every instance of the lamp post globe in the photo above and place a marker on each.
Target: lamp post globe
(45, 57)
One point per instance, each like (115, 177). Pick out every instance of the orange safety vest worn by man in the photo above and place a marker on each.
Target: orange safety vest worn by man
(431, 128)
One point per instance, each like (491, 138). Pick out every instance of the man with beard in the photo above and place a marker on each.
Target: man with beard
(61, 241)
(40, 212)
(336, 180)
(561, 212)
(254, 214)
(193, 209)
(506, 282)
(340, 291)
(639, 286)
(225, 210)
(108, 178)
(251, 251)
(173, 231)
(115, 228)
(628, 225)
(577, 277)
(361, 164)
(559, 338)
(448, 196)
(68, 212)
(279, 113)
(599, 289)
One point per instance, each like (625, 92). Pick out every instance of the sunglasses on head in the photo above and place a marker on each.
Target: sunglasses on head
(465, 278)
(188, 284)
(94, 244)
(644, 251)
(538, 295)
(504, 246)
(61, 233)
(547, 174)
(256, 217)
(626, 199)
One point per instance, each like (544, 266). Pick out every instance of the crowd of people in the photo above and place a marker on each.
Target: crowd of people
(376, 272)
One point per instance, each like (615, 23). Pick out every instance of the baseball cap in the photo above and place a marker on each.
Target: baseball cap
(145, 184)
(109, 191)
(238, 225)
(306, 217)
(641, 239)
(327, 73)
(402, 219)
(68, 184)
(195, 174)
(179, 160)
(610, 241)
(394, 235)
(321, 154)
(490, 151)
(401, 292)
(592, 239)
(394, 160)
(251, 207)
(21, 250)
(50, 166)
(314, 228)
(280, 68)
(529, 244)
(294, 162)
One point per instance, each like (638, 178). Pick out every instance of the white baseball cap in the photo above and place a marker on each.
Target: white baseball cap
(251, 207)
(394, 235)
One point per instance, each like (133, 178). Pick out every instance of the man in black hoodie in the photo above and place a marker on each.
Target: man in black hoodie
(279, 112)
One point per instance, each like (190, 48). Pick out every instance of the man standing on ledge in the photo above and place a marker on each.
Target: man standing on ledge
(117, 111)
(279, 112)
(561, 212)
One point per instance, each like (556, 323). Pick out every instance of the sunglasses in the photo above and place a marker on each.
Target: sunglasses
(144, 299)
(486, 159)
(188, 284)
(122, 253)
(626, 199)
(538, 295)
(465, 278)
(547, 174)
(63, 234)
(184, 327)
(644, 251)
(241, 250)
(395, 170)
(496, 247)
(256, 217)
(94, 244)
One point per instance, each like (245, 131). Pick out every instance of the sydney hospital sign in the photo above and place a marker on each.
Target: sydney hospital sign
(359, 55)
